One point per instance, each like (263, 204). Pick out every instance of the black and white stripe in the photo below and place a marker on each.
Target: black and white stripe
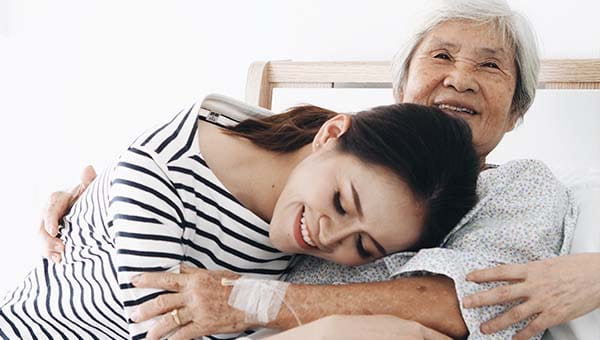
(159, 206)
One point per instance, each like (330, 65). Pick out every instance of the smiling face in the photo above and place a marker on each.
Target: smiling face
(332, 207)
(468, 70)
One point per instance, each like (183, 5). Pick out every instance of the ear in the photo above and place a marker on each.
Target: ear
(512, 121)
(398, 94)
(329, 132)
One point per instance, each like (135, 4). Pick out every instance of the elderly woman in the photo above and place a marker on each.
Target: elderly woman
(477, 60)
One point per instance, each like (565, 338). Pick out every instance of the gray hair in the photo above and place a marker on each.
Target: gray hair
(511, 25)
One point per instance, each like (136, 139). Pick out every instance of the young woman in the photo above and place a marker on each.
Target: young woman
(347, 188)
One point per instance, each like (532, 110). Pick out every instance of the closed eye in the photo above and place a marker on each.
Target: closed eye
(360, 248)
(338, 204)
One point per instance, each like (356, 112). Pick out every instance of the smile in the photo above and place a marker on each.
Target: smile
(301, 232)
(459, 109)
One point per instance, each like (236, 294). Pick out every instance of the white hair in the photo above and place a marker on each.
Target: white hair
(511, 25)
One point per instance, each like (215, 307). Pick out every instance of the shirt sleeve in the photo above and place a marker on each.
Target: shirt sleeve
(524, 214)
(146, 224)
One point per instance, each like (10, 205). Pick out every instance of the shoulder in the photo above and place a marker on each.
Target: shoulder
(171, 138)
(522, 173)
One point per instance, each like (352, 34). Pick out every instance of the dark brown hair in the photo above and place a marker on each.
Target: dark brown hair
(284, 132)
(429, 150)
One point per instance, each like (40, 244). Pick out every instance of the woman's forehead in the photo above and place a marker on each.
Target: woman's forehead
(482, 38)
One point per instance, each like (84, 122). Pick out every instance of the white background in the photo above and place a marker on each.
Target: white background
(80, 79)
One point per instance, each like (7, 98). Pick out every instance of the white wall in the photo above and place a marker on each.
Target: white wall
(79, 79)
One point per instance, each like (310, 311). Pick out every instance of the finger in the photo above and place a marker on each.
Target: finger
(168, 281)
(513, 316)
(510, 272)
(167, 323)
(430, 334)
(536, 326)
(495, 296)
(189, 331)
(53, 257)
(88, 175)
(160, 305)
(57, 207)
(49, 243)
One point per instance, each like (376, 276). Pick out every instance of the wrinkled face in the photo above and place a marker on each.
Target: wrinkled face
(340, 209)
(467, 70)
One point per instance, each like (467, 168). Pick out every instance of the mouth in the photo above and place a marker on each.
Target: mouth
(302, 233)
(456, 108)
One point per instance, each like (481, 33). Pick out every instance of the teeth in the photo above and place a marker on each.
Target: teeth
(305, 234)
(454, 108)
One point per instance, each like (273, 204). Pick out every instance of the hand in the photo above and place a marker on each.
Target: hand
(554, 291)
(57, 207)
(361, 327)
(200, 300)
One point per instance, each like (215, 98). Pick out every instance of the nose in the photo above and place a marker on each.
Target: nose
(332, 232)
(462, 77)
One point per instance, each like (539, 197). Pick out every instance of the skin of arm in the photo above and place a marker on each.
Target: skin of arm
(350, 327)
(431, 301)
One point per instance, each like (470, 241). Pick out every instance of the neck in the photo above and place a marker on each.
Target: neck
(254, 176)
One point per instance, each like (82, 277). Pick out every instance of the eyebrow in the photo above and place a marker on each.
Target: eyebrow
(491, 51)
(483, 50)
(356, 199)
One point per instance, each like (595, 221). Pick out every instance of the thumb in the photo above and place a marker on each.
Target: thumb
(88, 175)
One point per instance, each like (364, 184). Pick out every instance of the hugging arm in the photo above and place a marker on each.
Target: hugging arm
(429, 300)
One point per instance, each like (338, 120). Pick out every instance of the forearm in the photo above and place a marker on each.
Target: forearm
(431, 301)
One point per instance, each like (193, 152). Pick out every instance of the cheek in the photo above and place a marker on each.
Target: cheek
(346, 258)
(420, 86)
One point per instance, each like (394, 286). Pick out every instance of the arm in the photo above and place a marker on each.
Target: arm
(145, 224)
(381, 327)
(202, 305)
(431, 301)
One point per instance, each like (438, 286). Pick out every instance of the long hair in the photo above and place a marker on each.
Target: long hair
(427, 149)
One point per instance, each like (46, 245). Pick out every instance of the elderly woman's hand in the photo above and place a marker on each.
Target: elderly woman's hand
(199, 299)
(57, 207)
(350, 327)
(554, 291)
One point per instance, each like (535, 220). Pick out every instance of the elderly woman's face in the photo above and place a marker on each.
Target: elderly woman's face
(467, 70)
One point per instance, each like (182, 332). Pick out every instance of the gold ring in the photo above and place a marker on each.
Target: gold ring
(175, 315)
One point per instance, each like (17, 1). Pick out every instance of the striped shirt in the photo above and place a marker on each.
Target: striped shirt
(159, 206)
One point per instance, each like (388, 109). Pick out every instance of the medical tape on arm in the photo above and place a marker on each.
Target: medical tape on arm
(260, 300)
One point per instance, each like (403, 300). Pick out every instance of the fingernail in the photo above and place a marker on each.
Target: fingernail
(467, 302)
(134, 316)
(485, 329)
(135, 279)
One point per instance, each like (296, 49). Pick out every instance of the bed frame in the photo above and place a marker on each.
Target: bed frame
(264, 76)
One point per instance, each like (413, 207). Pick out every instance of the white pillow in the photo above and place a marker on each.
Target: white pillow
(585, 184)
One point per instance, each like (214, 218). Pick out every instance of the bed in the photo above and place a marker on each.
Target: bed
(562, 128)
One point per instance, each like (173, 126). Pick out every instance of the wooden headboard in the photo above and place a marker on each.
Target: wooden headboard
(264, 76)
